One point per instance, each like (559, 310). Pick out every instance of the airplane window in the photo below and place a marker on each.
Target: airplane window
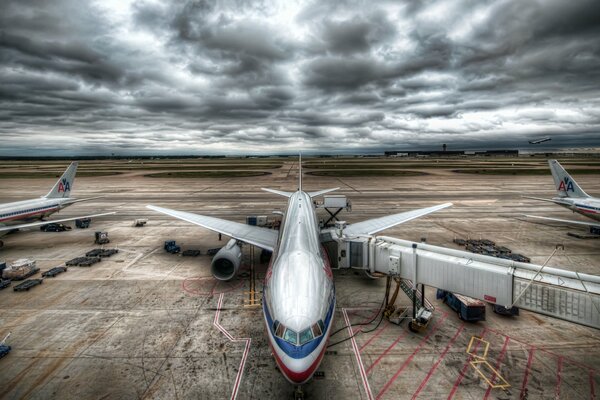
(290, 336)
(275, 325)
(306, 336)
(321, 325)
(279, 330)
(316, 330)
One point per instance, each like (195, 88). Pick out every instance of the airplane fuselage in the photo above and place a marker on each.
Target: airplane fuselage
(299, 294)
(25, 211)
(588, 206)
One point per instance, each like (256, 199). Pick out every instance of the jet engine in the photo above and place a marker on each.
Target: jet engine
(226, 262)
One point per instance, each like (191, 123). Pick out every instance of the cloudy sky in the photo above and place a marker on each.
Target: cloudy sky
(195, 77)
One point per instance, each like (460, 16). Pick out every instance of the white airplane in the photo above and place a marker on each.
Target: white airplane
(299, 294)
(21, 214)
(571, 196)
(540, 140)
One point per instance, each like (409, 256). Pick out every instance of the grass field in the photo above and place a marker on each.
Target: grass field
(208, 174)
(366, 172)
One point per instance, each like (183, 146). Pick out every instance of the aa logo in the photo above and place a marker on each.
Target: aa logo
(566, 186)
(63, 186)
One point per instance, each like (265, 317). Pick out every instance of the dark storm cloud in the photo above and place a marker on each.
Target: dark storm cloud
(160, 76)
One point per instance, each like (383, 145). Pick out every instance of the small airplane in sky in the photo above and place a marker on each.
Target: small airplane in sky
(571, 196)
(299, 294)
(540, 140)
(23, 214)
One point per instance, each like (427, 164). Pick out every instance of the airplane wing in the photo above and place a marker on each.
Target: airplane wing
(40, 223)
(555, 201)
(566, 221)
(255, 235)
(375, 225)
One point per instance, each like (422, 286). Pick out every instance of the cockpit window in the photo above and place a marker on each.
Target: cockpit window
(290, 336)
(316, 330)
(306, 336)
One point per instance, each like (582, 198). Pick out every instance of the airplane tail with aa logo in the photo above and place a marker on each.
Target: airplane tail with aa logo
(565, 185)
(62, 188)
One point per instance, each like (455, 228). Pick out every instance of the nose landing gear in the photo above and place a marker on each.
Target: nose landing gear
(298, 393)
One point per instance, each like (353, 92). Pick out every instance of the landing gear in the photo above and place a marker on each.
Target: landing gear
(298, 393)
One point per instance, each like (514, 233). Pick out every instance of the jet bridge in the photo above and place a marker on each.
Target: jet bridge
(559, 293)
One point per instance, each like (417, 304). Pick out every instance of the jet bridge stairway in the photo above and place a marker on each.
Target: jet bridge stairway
(559, 293)
(407, 287)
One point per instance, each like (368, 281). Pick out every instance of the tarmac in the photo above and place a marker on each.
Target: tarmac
(152, 325)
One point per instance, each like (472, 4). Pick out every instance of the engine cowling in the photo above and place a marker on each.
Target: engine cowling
(226, 262)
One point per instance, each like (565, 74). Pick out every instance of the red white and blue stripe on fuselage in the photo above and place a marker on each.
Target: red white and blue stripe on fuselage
(29, 213)
(585, 209)
(301, 351)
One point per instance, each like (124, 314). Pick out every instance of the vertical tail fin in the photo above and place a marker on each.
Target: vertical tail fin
(300, 172)
(62, 188)
(565, 185)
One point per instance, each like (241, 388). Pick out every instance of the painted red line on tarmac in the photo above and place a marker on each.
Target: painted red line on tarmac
(409, 359)
(432, 370)
(592, 386)
(390, 347)
(567, 359)
(461, 376)
(527, 369)
(238, 378)
(361, 366)
(374, 337)
(497, 367)
(558, 378)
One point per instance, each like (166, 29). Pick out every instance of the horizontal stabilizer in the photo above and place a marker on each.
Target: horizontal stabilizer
(279, 192)
(254, 235)
(73, 201)
(40, 223)
(375, 225)
(320, 192)
(564, 221)
(555, 201)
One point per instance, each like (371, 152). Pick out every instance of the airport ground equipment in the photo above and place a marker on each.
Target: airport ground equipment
(138, 223)
(55, 227)
(559, 293)
(20, 269)
(263, 221)
(101, 252)
(51, 273)
(83, 261)
(28, 284)
(101, 237)
(512, 311)
(213, 251)
(4, 283)
(489, 248)
(75, 261)
(83, 223)
(191, 253)
(4, 348)
(468, 309)
(89, 261)
(172, 247)
(333, 204)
